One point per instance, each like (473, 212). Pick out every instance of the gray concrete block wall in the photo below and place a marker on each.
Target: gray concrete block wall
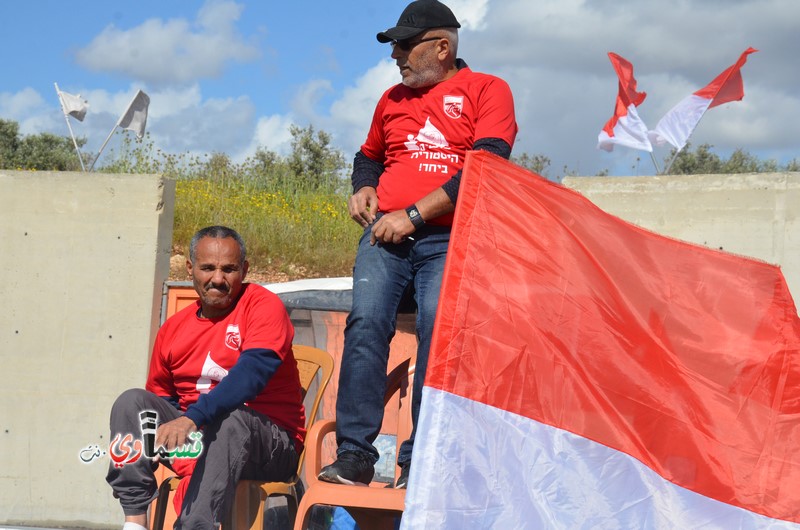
(753, 215)
(83, 258)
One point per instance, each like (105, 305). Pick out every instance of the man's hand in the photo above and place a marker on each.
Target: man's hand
(363, 206)
(175, 433)
(392, 227)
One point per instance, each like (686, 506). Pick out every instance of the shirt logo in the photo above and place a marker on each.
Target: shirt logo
(428, 137)
(233, 339)
(453, 105)
(211, 372)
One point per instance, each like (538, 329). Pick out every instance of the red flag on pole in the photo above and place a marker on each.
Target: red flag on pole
(591, 374)
(677, 125)
(625, 127)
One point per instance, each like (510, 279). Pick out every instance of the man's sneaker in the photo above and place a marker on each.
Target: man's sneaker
(402, 480)
(351, 467)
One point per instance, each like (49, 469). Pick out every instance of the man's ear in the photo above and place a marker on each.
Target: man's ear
(245, 268)
(189, 267)
(444, 48)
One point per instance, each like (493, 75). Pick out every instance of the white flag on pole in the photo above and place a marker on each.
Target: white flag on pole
(74, 106)
(135, 118)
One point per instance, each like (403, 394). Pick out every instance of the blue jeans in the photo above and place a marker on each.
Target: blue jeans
(381, 276)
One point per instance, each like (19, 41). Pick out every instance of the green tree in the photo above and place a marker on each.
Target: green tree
(700, 162)
(314, 163)
(9, 143)
(48, 152)
(43, 151)
(703, 161)
(537, 163)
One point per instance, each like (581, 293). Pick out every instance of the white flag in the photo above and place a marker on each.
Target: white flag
(135, 118)
(74, 106)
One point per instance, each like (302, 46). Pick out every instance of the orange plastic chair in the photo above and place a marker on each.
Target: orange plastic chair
(251, 495)
(375, 507)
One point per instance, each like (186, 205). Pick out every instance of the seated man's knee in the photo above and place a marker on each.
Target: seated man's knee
(132, 399)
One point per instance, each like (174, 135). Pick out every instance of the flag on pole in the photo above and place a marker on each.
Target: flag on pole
(135, 117)
(592, 374)
(625, 127)
(74, 106)
(677, 125)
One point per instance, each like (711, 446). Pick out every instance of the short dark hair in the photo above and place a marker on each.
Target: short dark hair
(216, 232)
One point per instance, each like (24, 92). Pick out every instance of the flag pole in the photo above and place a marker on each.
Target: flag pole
(669, 166)
(112, 131)
(104, 145)
(677, 151)
(71, 134)
(655, 163)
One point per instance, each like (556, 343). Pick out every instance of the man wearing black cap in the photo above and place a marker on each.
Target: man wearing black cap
(405, 184)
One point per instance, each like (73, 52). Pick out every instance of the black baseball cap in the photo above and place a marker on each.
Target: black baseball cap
(417, 17)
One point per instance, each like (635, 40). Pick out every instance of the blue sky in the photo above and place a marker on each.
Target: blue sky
(230, 76)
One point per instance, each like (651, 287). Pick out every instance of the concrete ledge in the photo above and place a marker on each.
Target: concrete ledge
(753, 215)
(83, 260)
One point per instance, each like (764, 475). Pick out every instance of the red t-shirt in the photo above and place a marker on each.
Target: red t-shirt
(422, 135)
(192, 354)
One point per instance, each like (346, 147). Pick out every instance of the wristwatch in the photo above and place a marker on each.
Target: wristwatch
(414, 215)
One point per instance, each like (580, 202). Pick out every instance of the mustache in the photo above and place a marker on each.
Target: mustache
(221, 287)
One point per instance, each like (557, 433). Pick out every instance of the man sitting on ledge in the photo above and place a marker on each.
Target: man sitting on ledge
(223, 366)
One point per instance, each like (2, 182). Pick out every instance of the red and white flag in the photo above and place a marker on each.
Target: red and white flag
(677, 125)
(593, 374)
(625, 127)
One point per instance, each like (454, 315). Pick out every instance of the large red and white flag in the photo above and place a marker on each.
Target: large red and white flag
(677, 125)
(592, 374)
(625, 127)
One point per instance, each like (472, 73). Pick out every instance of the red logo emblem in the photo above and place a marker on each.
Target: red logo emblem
(233, 339)
(453, 105)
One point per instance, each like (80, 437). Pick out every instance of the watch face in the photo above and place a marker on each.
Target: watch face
(414, 216)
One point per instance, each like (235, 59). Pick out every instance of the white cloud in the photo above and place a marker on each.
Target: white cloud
(346, 119)
(307, 97)
(21, 103)
(32, 113)
(271, 133)
(553, 53)
(351, 114)
(471, 14)
(160, 52)
(194, 124)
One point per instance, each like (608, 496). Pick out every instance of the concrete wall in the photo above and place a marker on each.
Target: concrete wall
(753, 215)
(83, 258)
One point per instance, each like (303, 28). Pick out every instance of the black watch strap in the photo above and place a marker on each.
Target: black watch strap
(414, 215)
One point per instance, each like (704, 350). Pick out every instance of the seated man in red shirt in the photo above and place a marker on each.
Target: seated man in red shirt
(223, 366)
